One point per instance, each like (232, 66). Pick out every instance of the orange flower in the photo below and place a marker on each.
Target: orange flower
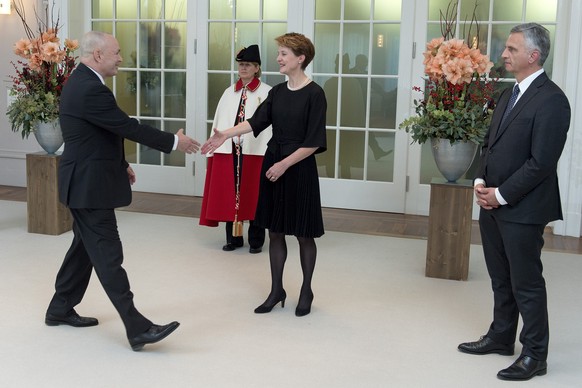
(71, 45)
(23, 48)
(39, 80)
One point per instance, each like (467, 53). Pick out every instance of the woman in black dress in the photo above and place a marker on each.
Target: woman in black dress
(289, 198)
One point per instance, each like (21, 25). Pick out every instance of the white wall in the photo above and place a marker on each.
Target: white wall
(13, 149)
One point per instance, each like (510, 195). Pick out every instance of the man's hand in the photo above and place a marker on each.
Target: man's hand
(186, 144)
(130, 175)
(486, 197)
(214, 142)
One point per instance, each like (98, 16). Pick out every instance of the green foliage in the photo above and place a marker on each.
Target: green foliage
(29, 108)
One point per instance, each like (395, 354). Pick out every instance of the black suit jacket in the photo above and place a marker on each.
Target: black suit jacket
(92, 169)
(521, 156)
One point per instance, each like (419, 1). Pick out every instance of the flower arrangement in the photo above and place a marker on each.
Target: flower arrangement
(458, 100)
(37, 85)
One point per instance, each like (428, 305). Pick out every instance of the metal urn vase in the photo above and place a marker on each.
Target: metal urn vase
(49, 136)
(453, 160)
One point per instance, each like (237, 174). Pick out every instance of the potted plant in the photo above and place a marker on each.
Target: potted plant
(457, 103)
(36, 87)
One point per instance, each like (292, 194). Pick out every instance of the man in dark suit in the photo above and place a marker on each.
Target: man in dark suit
(517, 189)
(94, 179)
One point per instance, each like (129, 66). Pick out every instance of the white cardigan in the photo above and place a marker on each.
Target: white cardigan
(226, 113)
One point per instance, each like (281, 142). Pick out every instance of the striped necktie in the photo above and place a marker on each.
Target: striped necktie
(511, 103)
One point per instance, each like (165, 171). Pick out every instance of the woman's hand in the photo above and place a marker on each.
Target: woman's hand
(213, 142)
(276, 171)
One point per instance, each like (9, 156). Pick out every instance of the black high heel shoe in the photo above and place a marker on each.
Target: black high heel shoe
(301, 312)
(267, 307)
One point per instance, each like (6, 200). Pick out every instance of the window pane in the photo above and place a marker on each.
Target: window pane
(103, 27)
(176, 9)
(175, 46)
(275, 9)
(149, 155)
(151, 9)
(435, 7)
(508, 10)
(269, 52)
(357, 10)
(387, 10)
(102, 9)
(356, 41)
(326, 160)
(330, 88)
(126, 91)
(150, 45)
(151, 93)
(481, 11)
(381, 157)
(130, 151)
(126, 9)
(219, 46)
(327, 9)
(175, 95)
(326, 43)
(126, 34)
(351, 154)
(247, 9)
(383, 94)
(246, 34)
(541, 10)
(353, 104)
(385, 55)
(273, 80)
(217, 83)
(220, 10)
(177, 159)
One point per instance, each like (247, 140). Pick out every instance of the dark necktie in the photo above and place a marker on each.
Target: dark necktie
(511, 102)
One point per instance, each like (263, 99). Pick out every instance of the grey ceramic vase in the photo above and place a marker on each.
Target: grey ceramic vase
(454, 160)
(49, 136)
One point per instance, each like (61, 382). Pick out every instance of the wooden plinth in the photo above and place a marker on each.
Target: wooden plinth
(46, 215)
(449, 229)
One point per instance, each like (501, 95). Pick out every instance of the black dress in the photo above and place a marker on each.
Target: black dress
(292, 204)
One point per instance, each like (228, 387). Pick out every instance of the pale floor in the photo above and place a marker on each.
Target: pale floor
(377, 321)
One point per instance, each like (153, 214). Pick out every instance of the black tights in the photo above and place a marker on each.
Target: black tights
(278, 256)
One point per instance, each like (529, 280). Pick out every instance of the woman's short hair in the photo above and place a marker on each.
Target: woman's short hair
(299, 44)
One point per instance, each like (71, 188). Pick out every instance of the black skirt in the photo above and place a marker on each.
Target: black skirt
(292, 204)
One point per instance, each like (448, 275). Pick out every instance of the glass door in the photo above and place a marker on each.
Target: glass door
(152, 82)
(360, 63)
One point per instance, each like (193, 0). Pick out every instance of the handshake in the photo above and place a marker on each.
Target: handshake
(186, 144)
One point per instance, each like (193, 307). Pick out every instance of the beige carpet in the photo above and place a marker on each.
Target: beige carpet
(377, 321)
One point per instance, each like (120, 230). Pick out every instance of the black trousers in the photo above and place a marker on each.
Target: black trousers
(513, 257)
(256, 235)
(96, 244)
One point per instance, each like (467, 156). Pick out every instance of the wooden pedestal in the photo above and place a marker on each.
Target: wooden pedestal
(46, 215)
(449, 229)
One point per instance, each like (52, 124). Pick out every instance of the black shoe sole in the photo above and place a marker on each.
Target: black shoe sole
(57, 322)
(500, 352)
(139, 346)
(541, 372)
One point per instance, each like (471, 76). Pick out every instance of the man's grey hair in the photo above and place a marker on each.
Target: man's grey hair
(537, 37)
(91, 41)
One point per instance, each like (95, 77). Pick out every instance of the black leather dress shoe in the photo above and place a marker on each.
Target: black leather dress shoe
(230, 247)
(524, 368)
(486, 345)
(255, 250)
(154, 334)
(72, 319)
